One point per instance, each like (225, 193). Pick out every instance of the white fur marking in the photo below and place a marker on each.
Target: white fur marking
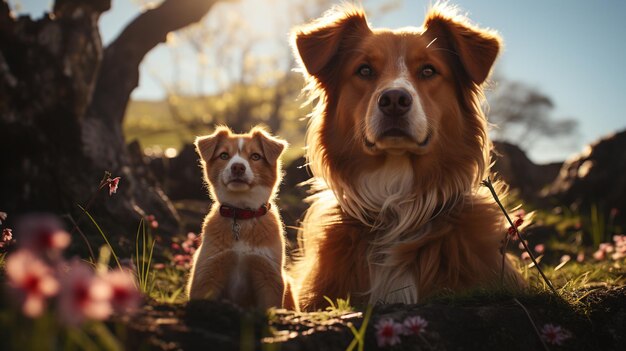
(252, 198)
(243, 248)
(240, 144)
(417, 121)
(226, 174)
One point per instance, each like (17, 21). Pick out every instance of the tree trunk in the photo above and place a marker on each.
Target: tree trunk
(62, 103)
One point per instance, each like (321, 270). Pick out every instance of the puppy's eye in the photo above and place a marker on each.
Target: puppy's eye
(224, 156)
(255, 157)
(365, 71)
(427, 71)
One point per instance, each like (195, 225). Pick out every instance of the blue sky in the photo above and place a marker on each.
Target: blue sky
(572, 50)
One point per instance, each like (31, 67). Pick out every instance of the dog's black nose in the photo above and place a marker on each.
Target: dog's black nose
(395, 102)
(238, 169)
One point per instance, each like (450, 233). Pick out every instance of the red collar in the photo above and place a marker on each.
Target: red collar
(244, 213)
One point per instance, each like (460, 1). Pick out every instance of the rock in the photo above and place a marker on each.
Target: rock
(520, 173)
(482, 321)
(181, 176)
(595, 177)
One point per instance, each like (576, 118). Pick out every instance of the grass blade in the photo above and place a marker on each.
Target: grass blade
(103, 236)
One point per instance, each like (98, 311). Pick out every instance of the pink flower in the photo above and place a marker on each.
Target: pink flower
(519, 220)
(618, 255)
(554, 334)
(159, 266)
(599, 255)
(512, 233)
(581, 256)
(7, 235)
(83, 295)
(414, 325)
(3, 216)
(125, 296)
(113, 183)
(539, 248)
(175, 246)
(190, 245)
(6, 238)
(151, 220)
(620, 242)
(182, 260)
(614, 212)
(521, 245)
(606, 247)
(32, 280)
(42, 233)
(388, 332)
(525, 256)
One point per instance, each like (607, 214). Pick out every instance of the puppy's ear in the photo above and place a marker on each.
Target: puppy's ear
(205, 145)
(272, 146)
(476, 48)
(318, 42)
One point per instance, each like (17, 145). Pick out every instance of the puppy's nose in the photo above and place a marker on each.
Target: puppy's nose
(395, 102)
(237, 169)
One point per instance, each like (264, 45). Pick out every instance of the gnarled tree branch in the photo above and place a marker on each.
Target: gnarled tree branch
(119, 73)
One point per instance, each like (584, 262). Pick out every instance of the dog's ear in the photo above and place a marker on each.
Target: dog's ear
(205, 145)
(272, 146)
(318, 42)
(476, 48)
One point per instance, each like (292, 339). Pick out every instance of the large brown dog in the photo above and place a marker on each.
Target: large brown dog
(399, 145)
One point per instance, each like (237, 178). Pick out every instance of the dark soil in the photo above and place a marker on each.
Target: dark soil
(476, 322)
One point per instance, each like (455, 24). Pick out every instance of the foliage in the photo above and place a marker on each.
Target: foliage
(159, 125)
(523, 115)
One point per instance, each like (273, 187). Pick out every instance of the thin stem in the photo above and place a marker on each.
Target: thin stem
(504, 248)
(103, 183)
(93, 256)
(103, 236)
(139, 275)
(489, 185)
(532, 322)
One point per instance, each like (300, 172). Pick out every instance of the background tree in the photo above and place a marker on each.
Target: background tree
(63, 98)
(243, 74)
(523, 115)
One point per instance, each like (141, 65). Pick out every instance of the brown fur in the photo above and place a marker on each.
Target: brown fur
(398, 221)
(248, 271)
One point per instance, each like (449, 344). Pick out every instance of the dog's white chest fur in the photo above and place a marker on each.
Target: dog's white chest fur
(238, 279)
(387, 183)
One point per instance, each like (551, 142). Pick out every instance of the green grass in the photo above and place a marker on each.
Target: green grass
(572, 280)
(177, 121)
(143, 259)
(169, 285)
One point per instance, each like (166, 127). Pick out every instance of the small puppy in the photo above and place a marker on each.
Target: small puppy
(242, 254)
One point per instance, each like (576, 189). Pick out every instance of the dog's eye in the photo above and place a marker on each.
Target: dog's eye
(427, 71)
(365, 71)
(224, 156)
(255, 157)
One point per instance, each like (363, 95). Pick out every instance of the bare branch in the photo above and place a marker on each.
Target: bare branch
(119, 74)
